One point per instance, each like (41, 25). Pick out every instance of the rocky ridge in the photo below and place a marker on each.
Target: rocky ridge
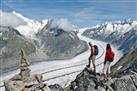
(123, 73)
(121, 33)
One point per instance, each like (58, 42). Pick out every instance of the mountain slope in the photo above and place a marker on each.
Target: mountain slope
(58, 43)
(127, 64)
(44, 40)
(11, 41)
(122, 34)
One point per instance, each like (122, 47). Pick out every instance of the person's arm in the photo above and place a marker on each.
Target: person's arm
(90, 44)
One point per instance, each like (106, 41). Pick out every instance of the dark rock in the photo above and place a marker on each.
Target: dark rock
(125, 83)
(87, 81)
(56, 87)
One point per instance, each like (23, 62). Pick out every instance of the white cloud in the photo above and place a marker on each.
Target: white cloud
(63, 24)
(9, 19)
(86, 13)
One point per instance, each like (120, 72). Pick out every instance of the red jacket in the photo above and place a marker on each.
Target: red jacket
(107, 55)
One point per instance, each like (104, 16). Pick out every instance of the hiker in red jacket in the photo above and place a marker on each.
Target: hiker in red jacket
(94, 52)
(109, 57)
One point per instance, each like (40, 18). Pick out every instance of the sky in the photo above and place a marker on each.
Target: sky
(82, 13)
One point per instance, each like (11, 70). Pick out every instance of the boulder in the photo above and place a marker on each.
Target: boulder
(39, 77)
(56, 87)
(25, 74)
(46, 88)
(90, 81)
(16, 77)
(26, 89)
(34, 79)
(14, 85)
(125, 83)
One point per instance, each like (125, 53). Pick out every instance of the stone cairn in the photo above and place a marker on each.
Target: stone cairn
(24, 81)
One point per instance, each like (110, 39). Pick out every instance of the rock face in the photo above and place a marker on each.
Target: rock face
(124, 77)
(11, 42)
(90, 81)
(126, 65)
(24, 81)
(126, 83)
(59, 43)
(56, 87)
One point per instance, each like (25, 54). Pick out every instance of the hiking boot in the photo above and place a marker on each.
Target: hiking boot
(94, 70)
(109, 78)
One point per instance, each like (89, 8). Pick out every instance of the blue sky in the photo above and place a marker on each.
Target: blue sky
(79, 12)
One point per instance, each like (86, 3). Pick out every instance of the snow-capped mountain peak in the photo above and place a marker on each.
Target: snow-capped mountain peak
(21, 16)
(32, 26)
(27, 27)
(118, 32)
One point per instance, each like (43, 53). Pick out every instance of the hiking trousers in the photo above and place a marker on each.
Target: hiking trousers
(106, 69)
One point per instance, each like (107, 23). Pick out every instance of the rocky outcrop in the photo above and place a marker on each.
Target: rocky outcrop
(125, 83)
(126, 65)
(90, 81)
(56, 87)
(124, 77)
(24, 81)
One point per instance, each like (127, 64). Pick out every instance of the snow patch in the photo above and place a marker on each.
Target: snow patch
(119, 67)
(9, 19)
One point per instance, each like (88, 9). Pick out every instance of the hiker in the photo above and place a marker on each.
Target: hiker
(109, 57)
(94, 52)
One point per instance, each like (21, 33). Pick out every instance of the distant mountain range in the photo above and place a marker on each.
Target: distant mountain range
(44, 40)
(119, 33)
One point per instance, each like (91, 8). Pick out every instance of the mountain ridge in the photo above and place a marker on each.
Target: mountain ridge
(123, 34)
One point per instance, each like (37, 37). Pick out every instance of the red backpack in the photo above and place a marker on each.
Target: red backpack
(111, 56)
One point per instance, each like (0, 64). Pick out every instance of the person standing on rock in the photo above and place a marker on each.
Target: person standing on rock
(94, 53)
(109, 57)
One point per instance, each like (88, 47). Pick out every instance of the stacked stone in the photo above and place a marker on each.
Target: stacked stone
(24, 81)
(24, 70)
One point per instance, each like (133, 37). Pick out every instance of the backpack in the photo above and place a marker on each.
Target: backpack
(96, 49)
(111, 56)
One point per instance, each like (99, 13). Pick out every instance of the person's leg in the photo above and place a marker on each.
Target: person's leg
(93, 63)
(89, 61)
(108, 70)
(105, 70)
